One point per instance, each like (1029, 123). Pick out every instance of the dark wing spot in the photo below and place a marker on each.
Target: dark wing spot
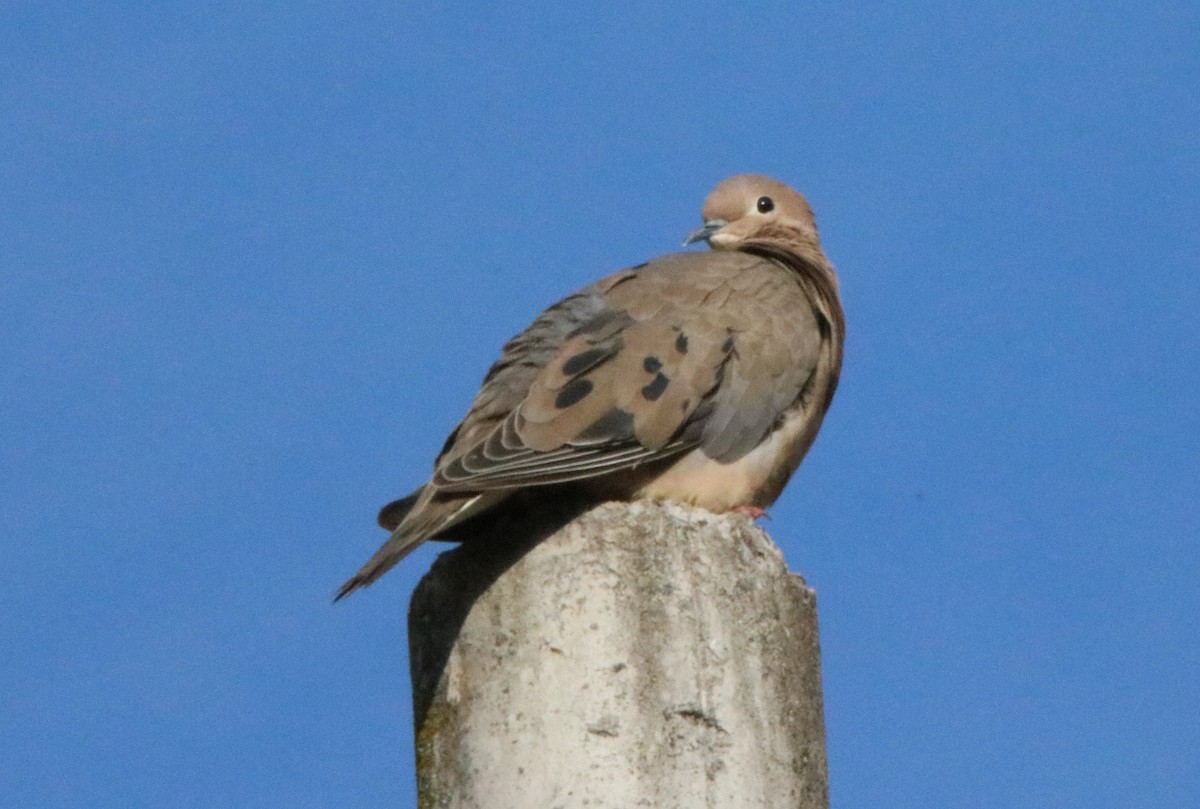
(652, 365)
(655, 388)
(612, 426)
(584, 360)
(681, 343)
(572, 392)
(727, 346)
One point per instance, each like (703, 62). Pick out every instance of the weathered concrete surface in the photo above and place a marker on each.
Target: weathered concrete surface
(644, 655)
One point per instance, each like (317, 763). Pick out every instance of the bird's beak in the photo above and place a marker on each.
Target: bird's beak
(711, 226)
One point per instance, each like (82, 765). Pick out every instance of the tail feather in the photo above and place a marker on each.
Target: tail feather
(423, 519)
(391, 515)
(390, 554)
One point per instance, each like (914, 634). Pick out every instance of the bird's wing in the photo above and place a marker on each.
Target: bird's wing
(695, 349)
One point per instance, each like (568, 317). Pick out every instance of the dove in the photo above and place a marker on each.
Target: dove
(698, 377)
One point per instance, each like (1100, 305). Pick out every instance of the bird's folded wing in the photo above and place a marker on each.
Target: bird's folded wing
(683, 353)
(609, 400)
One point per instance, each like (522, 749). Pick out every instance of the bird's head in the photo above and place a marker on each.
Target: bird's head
(751, 207)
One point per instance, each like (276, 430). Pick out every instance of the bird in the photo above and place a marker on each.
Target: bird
(699, 377)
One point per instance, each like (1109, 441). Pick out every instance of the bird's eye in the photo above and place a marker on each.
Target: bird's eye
(765, 204)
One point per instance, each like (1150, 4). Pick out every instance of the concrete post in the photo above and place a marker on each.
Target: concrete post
(641, 655)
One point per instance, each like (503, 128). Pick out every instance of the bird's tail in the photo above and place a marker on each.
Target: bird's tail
(399, 544)
(417, 518)
(391, 515)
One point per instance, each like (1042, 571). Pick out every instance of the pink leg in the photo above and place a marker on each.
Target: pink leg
(753, 512)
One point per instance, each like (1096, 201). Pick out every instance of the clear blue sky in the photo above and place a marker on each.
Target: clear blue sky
(255, 258)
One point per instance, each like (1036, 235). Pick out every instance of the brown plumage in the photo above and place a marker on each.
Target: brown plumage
(697, 377)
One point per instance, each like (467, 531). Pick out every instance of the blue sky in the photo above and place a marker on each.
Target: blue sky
(255, 260)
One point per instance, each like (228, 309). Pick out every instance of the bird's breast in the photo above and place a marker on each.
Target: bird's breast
(755, 479)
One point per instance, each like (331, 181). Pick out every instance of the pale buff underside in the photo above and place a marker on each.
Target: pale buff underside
(753, 480)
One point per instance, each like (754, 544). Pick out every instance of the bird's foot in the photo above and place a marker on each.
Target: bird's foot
(753, 512)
